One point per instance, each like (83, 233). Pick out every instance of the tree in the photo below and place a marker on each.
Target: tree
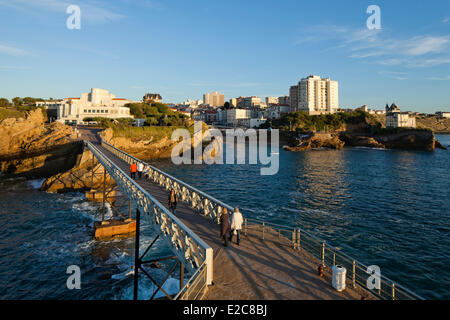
(17, 101)
(4, 103)
(227, 105)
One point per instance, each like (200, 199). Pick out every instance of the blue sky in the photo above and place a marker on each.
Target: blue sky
(183, 49)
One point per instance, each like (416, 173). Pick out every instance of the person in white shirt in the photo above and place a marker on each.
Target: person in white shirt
(140, 168)
(236, 225)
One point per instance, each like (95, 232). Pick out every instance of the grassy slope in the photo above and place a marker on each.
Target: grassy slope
(10, 113)
(146, 133)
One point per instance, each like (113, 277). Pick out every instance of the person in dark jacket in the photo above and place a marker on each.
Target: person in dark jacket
(224, 226)
(172, 200)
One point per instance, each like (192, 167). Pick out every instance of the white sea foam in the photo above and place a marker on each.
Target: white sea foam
(36, 183)
(147, 288)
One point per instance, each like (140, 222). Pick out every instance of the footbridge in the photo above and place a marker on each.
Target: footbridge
(271, 262)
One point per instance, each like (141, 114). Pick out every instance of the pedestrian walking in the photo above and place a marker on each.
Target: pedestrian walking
(140, 168)
(133, 169)
(224, 226)
(236, 225)
(172, 200)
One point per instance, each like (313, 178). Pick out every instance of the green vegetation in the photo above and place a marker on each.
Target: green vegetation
(155, 133)
(303, 122)
(10, 113)
(157, 114)
(19, 106)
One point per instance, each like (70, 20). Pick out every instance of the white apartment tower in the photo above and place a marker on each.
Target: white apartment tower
(318, 96)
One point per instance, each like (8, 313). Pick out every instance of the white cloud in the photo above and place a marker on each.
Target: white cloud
(15, 67)
(397, 75)
(422, 45)
(439, 78)
(414, 52)
(89, 12)
(446, 20)
(12, 51)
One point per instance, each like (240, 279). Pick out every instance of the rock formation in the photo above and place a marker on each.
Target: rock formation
(317, 140)
(32, 148)
(80, 177)
(408, 140)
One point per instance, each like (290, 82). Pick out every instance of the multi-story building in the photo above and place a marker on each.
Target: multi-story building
(214, 99)
(317, 95)
(234, 115)
(397, 119)
(293, 98)
(249, 102)
(97, 103)
(272, 100)
(149, 97)
(443, 114)
(284, 100)
(277, 111)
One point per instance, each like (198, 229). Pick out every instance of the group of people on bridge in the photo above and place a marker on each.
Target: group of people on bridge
(227, 230)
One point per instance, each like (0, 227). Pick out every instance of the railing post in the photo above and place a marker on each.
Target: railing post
(393, 291)
(298, 239)
(293, 238)
(354, 274)
(182, 275)
(323, 253)
(104, 193)
(245, 226)
(334, 258)
(263, 229)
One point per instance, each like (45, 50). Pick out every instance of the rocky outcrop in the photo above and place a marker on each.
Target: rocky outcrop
(29, 147)
(408, 140)
(80, 177)
(151, 148)
(317, 140)
(143, 149)
(351, 140)
(19, 134)
(403, 140)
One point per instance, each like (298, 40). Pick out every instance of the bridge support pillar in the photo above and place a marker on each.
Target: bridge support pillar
(136, 255)
(181, 276)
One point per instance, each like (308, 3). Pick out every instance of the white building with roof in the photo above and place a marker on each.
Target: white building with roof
(97, 103)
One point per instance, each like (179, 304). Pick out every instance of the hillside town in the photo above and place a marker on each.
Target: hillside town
(313, 95)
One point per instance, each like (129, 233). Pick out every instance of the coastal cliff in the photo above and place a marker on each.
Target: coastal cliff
(316, 141)
(361, 130)
(83, 176)
(402, 140)
(143, 148)
(29, 147)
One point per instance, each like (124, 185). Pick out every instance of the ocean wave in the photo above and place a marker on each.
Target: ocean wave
(36, 183)
(147, 288)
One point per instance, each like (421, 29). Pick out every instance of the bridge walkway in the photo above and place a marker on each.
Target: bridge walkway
(257, 269)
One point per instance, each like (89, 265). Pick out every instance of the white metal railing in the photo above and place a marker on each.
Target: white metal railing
(195, 287)
(198, 200)
(296, 237)
(329, 256)
(190, 249)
